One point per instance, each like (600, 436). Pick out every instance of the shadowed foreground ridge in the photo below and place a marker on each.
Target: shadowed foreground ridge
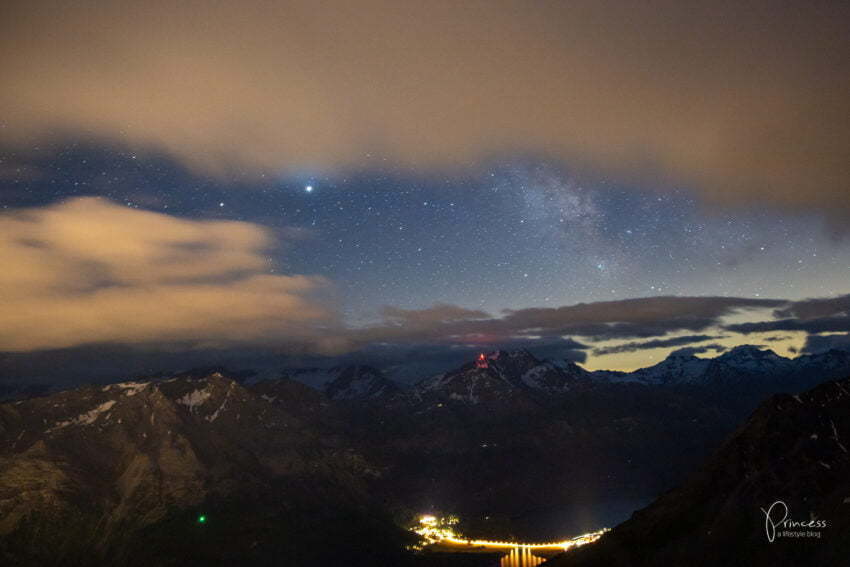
(793, 449)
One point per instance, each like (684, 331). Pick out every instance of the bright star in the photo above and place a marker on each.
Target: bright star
(309, 188)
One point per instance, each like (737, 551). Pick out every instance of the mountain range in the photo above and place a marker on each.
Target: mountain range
(515, 446)
(501, 375)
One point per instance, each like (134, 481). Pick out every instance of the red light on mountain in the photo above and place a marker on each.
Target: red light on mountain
(481, 361)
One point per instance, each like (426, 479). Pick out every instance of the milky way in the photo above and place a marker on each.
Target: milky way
(511, 235)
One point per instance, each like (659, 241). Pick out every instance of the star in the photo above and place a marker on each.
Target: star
(308, 188)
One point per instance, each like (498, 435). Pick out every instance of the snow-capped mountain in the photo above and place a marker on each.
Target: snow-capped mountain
(745, 365)
(358, 382)
(739, 363)
(346, 382)
(501, 375)
(751, 358)
(678, 368)
(831, 361)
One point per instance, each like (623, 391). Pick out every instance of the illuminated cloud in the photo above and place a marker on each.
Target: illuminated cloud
(90, 271)
(745, 101)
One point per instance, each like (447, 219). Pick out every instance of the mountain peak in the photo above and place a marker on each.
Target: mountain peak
(678, 368)
(752, 358)
(499, 376)
(749, 351)
(681, 354)
(359, 382)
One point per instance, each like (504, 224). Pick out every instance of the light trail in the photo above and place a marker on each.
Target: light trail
(438, 530)
(563, 545)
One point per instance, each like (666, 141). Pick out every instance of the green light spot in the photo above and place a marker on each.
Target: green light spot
(202, 519)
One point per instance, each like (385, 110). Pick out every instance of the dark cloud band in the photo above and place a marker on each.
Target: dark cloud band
(629, 318)
(746, 101)
(658, 343)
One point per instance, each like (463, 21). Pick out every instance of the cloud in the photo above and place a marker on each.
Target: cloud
(820, 325)
(817, 308)
(89, 271)
(440, 313)
(747, 102)
(777, 339)
(657, 343)
(690, 351)
(639, 317)
(629, 318)
(823, 343)
(826, 321)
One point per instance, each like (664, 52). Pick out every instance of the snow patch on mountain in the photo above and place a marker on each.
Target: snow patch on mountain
(675, 369)
(127, 388)
(533, 376)
(194, 399)
(753, 359)
(85, 418)
(223, 405)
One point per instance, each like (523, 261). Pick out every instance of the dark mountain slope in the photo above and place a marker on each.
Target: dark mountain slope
(359, 383)
(520, 447)
(793, 449)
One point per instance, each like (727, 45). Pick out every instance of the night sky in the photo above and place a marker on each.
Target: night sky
(309, 201)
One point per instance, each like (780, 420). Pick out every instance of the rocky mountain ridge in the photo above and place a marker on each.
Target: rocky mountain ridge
(84, 474)
(497, 375)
